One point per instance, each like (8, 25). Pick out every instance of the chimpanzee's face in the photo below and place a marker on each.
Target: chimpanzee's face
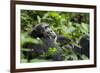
(47, 31)
(43, 31)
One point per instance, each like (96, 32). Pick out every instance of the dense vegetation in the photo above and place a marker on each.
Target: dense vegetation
(71, 25)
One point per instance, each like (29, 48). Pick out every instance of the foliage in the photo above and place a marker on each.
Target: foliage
(50, 53)
(60, 22)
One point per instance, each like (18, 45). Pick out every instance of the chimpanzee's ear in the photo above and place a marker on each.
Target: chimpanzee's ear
(36, 31)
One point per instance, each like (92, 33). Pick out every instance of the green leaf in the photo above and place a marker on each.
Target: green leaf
(39, 19)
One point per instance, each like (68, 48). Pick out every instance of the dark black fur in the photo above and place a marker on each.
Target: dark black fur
(84, 42)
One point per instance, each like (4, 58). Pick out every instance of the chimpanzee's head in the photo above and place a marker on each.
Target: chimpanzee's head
(43, 30)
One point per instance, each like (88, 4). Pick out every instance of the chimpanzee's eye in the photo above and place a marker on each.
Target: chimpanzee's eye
(51, 31)
(46, 27)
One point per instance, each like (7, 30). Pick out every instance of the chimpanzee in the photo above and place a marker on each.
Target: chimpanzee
(83, 49)
(84, 42)
(49, 39)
